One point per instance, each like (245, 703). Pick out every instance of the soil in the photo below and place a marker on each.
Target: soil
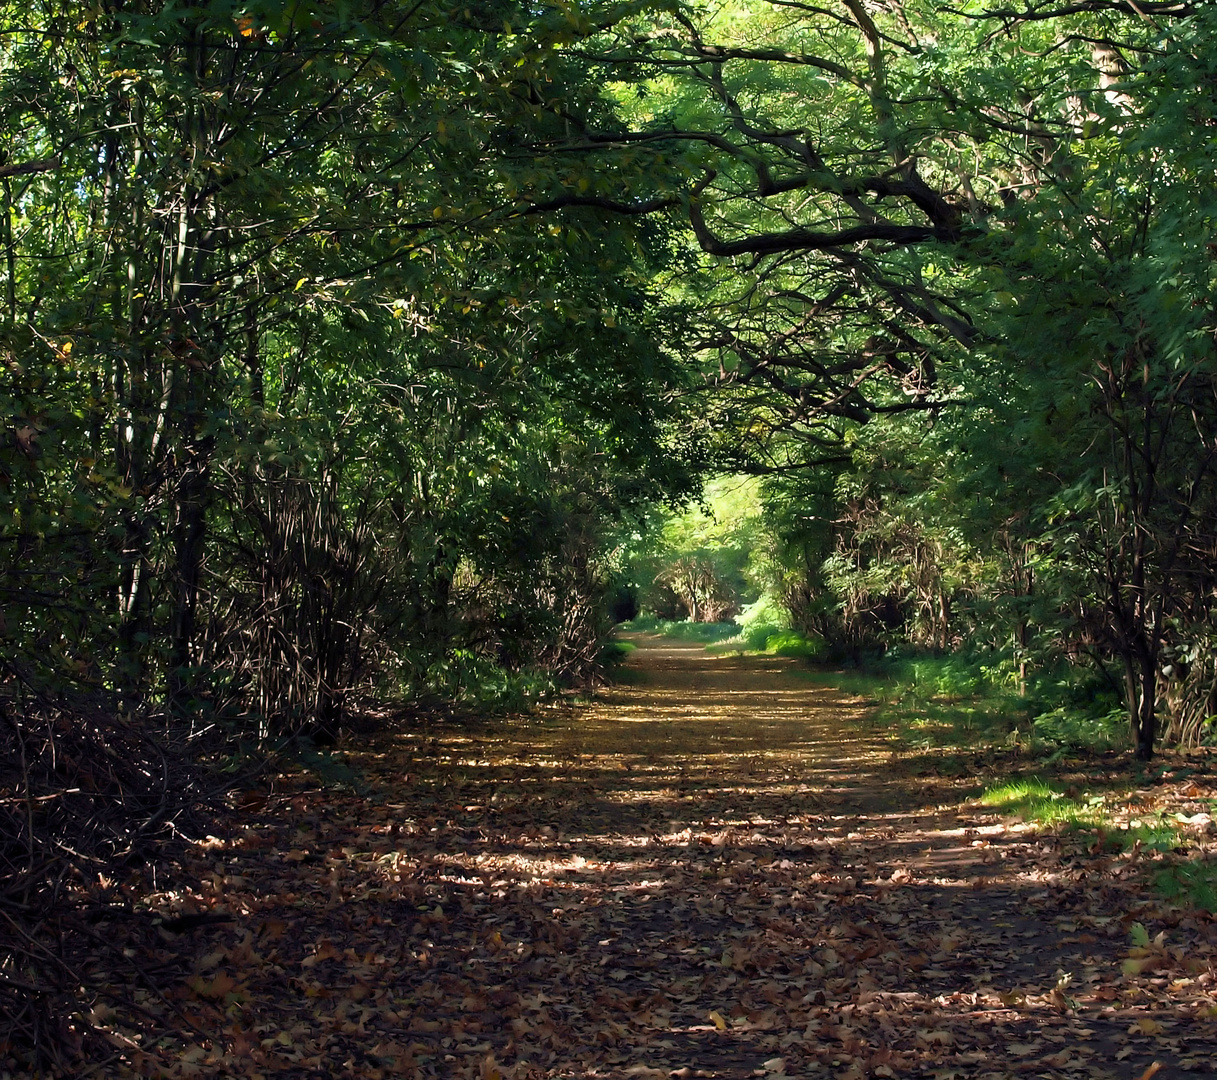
(717, 868)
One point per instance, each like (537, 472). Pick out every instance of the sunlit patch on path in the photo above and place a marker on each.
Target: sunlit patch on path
(717, 869)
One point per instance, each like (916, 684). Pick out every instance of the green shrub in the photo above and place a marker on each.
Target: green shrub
(951, 677)
(615, 652)
(1068, 727)
(792, 643)
(467, 676)
(756, 638)
(766, 612)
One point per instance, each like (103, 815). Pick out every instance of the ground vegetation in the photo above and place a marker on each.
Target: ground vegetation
(351, 353)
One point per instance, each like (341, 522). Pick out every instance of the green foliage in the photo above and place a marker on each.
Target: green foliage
(305, 400)
(964, 701)
(787, 643)
(683, 630)
(765, 613)
(471, 678)
(1040, 802)
(617, 652)
(1195, 882)
(757, 637)
(1072, 727)
(942, 677)
(699, 562)
(1043, 803)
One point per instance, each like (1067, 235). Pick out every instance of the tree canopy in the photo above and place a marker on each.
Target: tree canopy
(955, 299)
(355, 352)
(349, 342)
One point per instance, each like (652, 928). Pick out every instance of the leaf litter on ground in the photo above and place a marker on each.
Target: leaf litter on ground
(717, 871)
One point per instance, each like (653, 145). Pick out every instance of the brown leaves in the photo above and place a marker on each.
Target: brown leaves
(711, 910)
(219, 988)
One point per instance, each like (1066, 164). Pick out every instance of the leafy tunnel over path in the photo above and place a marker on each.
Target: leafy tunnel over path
(717, 869)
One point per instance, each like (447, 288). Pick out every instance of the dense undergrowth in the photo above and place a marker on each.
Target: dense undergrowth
(684, 630)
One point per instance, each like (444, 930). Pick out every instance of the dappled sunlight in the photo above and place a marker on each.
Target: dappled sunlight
(730, 881)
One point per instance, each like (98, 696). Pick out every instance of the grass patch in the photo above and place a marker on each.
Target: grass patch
(1072, 728)
(1156, 834)
(1184, 874)
(791, 643)
(927, 704)
(1068, 727)
(730, 636)
(615, 652)
(766, 641)
(1043, 803)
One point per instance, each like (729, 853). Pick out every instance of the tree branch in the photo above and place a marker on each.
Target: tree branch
(806, 239)
(26, 167)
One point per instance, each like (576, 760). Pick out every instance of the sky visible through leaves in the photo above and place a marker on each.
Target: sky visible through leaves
(717, 869)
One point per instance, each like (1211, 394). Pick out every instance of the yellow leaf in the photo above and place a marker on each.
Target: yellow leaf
(218, 987)
(720, 1021)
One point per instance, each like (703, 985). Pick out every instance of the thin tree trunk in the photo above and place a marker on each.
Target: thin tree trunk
(189, 536)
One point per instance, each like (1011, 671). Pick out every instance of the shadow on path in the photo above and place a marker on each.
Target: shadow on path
(716, 869)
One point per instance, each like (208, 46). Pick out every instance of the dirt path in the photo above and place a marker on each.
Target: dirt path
(715, 870)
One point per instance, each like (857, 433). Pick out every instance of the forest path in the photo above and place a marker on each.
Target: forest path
(715, 869)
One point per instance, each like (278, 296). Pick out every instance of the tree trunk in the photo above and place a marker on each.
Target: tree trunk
(1141, 685)
(189, 535)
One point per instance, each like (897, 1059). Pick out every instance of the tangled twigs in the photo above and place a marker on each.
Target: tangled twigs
(84, 794)
(28, 1005)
